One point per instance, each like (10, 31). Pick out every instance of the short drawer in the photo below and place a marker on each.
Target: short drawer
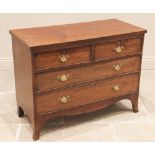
(93, 92)
(117, 48)
(66, 77)
(62, 58)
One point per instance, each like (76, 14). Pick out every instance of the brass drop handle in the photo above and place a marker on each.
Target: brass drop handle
(116, 88)
(119, 49)
(63, 77)
(64, 99)
(117, 67)
(63, 58)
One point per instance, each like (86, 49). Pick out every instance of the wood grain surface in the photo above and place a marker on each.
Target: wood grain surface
(86, 94)
(52, 59)
(107, 50)
(40, 36)
(87, 73)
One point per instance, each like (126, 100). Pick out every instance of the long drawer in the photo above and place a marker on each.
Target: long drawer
(93, 92)
(66, 77)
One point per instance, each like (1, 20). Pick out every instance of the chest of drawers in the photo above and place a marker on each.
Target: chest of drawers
(71, 69)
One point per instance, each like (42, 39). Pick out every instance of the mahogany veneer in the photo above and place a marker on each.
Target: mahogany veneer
(71, 69)
(76, 56)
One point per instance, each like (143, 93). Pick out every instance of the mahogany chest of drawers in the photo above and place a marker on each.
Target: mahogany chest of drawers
(71, 69)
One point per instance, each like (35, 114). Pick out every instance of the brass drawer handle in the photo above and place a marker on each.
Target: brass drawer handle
(117, 67)
(116, 88)
(64, 99)
(63, 77)
(119, 48)
(63, 58)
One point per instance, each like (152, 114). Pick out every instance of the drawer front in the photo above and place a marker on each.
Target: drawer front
(62, 58)
(72, 97)
(65, 77)
(117, 49)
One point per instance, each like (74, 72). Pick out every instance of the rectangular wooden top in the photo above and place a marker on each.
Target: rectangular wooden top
(58, 34)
